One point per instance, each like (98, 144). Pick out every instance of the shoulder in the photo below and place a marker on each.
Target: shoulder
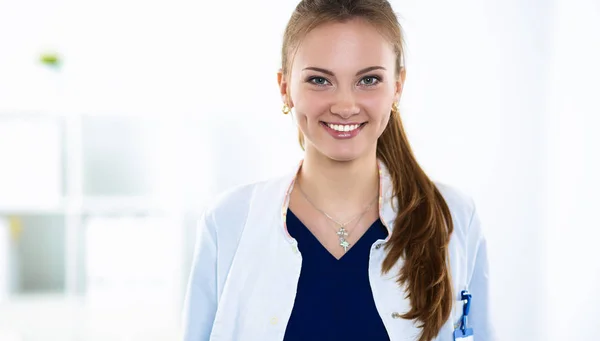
(468, 237)
(232, 206)
(460, 203)
(463, 210)
(230, 202)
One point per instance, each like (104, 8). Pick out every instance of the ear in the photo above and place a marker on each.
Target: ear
(283, 88)
(400, 84)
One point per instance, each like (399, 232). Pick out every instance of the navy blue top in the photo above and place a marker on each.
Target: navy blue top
(334, 300)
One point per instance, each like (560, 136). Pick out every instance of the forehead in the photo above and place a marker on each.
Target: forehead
(349, 45)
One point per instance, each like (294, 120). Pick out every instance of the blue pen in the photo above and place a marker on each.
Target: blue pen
(465, 296)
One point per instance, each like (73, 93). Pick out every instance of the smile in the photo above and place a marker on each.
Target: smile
(344, 127)
(343, 131)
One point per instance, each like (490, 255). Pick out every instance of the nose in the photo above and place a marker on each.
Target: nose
(345, 105)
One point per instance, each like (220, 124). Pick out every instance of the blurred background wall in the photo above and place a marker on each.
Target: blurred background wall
(121, 120)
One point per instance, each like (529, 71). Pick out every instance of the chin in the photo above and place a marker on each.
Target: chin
(343, 155)
(341, 158)
(341, 151)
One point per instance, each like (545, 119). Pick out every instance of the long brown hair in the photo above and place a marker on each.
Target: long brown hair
(423, 225)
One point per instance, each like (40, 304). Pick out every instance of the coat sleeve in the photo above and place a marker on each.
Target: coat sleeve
(480, 315)
(200, 304)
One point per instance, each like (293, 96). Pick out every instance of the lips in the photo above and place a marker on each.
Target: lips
(343, 131)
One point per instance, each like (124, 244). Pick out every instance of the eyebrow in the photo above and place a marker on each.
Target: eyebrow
(365, 70)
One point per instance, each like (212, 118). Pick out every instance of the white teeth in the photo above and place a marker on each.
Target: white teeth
(343, 128)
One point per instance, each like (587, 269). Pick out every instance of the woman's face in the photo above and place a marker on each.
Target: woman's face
(341, 88)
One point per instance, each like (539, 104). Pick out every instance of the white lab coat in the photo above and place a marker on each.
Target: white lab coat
(246, 267)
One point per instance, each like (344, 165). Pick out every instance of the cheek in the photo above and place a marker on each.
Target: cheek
(376, 108)
(310, 104)
(384, 121)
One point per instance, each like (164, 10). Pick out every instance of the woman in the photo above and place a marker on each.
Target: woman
(356, 242)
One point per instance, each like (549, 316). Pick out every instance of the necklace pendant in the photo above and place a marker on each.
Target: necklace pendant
(343, 234)
(344, 243)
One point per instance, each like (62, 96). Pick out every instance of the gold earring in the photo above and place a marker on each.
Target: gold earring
(286, 110)
(395, 107)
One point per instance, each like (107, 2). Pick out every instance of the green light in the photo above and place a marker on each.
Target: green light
(50, 59)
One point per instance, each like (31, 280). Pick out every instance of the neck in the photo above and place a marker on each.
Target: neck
(340, 188)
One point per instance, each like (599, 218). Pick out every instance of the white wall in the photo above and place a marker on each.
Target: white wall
(573, 167)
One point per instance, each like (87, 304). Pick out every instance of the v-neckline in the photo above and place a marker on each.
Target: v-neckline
(323, 248)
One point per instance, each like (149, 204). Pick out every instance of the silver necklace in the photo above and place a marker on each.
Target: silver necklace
(341, 232)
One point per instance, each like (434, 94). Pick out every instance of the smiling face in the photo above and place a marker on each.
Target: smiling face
(341, 87)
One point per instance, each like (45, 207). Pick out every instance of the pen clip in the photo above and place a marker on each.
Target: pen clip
(465, 296)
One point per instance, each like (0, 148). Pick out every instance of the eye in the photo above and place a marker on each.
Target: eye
(320, 81)
(371, 80)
